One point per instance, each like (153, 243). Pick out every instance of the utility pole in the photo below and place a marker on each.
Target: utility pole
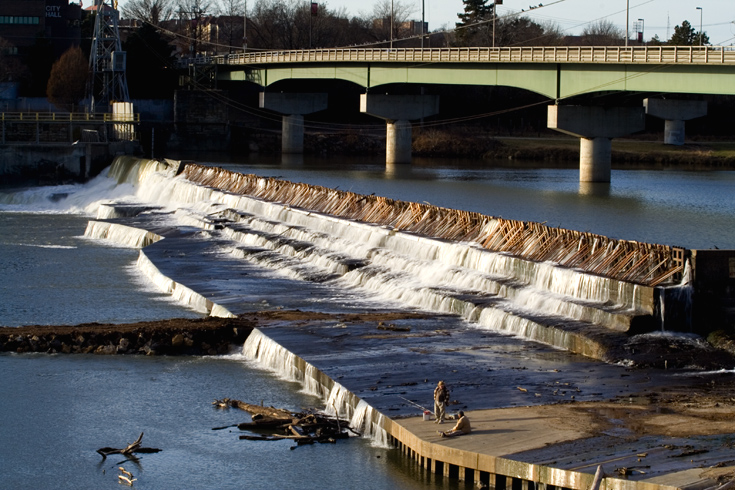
(197, 20)
(700, 24)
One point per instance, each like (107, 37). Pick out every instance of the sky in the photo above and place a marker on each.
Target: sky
(659, 16)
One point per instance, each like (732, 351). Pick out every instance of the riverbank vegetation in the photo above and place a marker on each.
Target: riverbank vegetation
(645, 151)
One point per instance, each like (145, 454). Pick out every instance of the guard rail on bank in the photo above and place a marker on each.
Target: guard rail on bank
(67, 117)
(21, 128)
(700, 55)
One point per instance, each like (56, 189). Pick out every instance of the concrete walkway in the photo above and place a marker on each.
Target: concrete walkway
(564, 445)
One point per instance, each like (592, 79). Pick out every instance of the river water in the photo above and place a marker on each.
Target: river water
(57, 410)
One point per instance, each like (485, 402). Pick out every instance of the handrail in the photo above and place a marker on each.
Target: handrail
(68, 117)
(705, 55)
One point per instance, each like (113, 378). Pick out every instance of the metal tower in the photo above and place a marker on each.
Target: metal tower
(107, 60)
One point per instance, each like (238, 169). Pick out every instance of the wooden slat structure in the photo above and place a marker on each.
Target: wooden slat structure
(625, 260)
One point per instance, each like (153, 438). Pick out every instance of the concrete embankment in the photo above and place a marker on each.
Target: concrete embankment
(638, 445)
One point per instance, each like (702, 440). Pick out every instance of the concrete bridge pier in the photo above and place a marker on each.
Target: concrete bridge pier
(398, 111)
(596, 126)
(293, 106)
(675, 113)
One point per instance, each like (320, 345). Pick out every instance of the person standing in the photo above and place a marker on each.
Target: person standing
(441, 398)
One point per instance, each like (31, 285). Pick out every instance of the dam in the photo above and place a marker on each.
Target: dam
(200, 231)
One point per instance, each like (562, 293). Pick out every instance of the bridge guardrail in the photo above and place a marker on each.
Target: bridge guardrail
(540, 54)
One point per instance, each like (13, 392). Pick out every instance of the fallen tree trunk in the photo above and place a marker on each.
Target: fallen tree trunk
(271, 412)
(267, 423)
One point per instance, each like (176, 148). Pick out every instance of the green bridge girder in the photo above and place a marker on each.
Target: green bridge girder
(555, 81)
(557, 72)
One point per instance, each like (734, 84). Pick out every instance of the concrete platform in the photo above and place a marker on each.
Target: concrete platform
(639, 445)
(562, 445)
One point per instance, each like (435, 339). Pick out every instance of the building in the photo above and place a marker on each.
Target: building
(22, 23)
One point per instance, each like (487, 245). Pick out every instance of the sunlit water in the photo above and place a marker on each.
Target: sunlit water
(57, 410)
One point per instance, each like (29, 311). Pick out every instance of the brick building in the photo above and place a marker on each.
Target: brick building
(23, 22)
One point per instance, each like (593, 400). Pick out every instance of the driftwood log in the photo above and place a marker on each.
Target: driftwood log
(276, 424)
(271, 412)
(131, 448)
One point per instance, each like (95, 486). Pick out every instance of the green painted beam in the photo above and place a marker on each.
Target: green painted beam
(549, 79)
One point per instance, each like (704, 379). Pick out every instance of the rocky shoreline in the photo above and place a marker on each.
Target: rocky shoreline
(209, 336)
(216, 336)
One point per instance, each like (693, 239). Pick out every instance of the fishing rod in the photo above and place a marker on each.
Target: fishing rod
(415, 404)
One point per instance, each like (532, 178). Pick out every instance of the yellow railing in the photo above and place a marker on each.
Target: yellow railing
(542, 54)
(50, 117)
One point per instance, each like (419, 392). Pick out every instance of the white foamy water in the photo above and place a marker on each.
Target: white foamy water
(338, 401)
(397, 269)
(493, 290)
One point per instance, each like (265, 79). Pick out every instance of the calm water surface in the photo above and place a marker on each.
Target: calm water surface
(55, 411)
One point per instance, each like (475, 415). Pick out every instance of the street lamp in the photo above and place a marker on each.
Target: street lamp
(495, 16)
(700, 25)
(391, 24)
(423, 22)
(627, 21)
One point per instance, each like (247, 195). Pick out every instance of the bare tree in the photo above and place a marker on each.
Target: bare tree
(150, 11)
(231, 22)
(272, 25)
(196, 24)
(291, 24)
(385, 11)
(603, 33)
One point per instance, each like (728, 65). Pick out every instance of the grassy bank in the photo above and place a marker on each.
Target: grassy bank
(646, 151)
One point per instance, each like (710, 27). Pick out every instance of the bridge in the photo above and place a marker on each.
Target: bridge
(559, 73)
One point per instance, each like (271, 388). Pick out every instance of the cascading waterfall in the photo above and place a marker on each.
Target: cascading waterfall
(495, 290)
(275, 358)
(675, 303)
(120, 234)
(369, 422)
(339, 401)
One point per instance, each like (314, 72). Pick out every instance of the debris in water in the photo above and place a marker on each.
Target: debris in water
(276, 424)
(128, 451)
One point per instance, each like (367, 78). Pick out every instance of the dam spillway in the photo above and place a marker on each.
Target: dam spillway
(572, 290)
(208, 243)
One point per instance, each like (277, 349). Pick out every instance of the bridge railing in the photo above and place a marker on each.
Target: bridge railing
(540, 54)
